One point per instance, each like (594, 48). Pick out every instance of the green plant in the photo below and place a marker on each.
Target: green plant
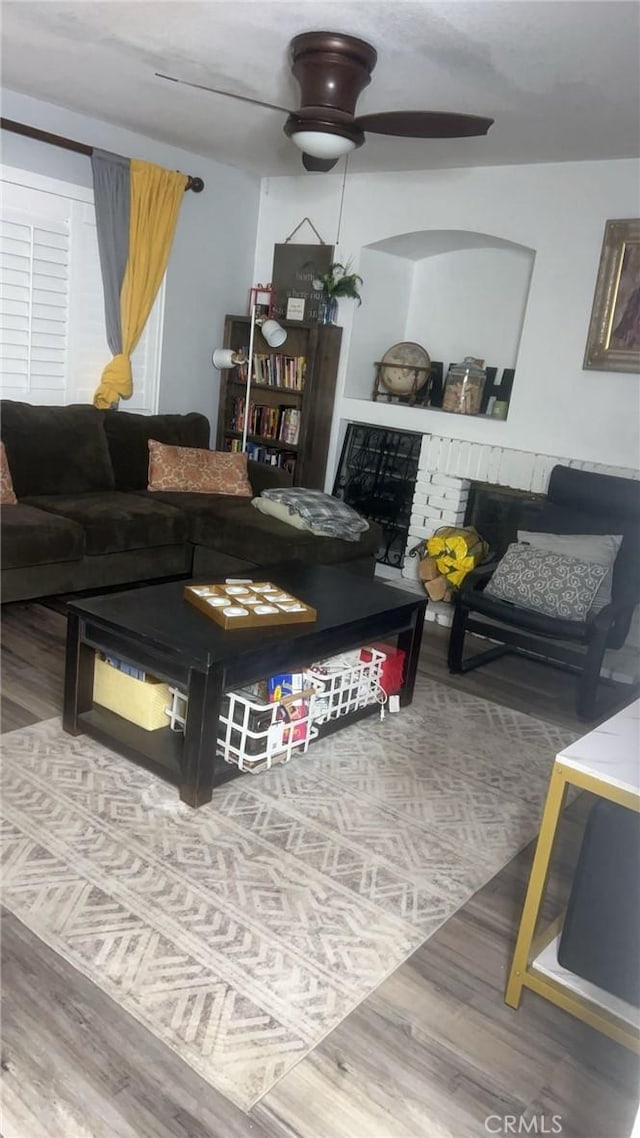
(338, 281)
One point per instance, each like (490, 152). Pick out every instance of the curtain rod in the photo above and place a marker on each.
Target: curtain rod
(195, 184)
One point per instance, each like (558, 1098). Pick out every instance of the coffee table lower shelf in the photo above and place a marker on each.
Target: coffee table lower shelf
(161, 751)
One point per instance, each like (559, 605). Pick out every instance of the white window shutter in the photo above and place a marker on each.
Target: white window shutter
(89, 349)
(34, 297)
(53, 345)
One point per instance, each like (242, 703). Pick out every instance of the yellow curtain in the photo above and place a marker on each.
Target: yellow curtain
(156, 197)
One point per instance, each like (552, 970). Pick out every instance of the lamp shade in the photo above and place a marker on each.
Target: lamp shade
(224, 357)
(273, 333)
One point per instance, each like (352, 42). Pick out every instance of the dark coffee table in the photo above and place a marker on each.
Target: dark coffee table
(154, 628)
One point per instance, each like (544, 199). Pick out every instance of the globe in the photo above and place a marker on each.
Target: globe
(404, 368)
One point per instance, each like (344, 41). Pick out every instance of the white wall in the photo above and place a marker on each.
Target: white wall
(471, 302)
(380, 322)
(210, 268)
(556, 210)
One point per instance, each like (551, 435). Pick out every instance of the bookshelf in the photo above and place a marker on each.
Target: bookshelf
(292, 397)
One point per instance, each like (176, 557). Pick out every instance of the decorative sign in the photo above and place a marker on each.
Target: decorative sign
(295, 267)
(295, 308)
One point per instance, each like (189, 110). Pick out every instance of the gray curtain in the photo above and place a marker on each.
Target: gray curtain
(111, 186)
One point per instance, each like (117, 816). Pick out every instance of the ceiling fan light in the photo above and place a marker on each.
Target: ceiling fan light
(322, 144)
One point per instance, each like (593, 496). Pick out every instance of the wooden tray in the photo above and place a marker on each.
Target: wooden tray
(248, 604)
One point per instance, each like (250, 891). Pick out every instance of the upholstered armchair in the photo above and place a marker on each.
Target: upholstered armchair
(528, 610)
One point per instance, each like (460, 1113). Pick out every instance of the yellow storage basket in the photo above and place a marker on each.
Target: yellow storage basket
(140, 701)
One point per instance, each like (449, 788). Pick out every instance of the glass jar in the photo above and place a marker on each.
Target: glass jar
(464, 386)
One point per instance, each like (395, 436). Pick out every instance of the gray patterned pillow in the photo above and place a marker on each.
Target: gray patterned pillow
(598, 549)
(549, 583)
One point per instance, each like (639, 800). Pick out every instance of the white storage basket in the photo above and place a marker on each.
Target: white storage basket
(345, 683)
(177, 709)
(253, 735)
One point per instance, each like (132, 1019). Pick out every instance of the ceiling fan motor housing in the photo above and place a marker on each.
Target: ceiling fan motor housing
(332, 70)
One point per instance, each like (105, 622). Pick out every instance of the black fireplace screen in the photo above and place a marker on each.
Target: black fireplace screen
(377, 476)
(497, 512)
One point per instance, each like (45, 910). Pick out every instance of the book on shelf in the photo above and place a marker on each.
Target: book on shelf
(272, 456)
(122, 666)
(264, 420)
(289, 425)
(275, 371)
(236, 416)
(281, 423)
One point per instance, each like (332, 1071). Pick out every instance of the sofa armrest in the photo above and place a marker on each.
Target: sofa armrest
(265, 477)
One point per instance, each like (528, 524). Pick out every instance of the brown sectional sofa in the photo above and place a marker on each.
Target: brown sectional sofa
(85, 520)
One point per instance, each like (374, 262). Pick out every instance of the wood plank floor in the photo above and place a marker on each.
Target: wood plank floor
(432, 1053)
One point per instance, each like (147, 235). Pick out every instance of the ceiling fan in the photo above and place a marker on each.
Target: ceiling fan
(332, 70)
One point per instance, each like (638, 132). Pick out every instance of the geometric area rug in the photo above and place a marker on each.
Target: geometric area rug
(241, 933)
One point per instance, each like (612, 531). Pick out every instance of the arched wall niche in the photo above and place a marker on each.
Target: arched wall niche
(457, 292)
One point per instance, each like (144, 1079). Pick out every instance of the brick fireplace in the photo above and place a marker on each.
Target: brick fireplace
(448, 468)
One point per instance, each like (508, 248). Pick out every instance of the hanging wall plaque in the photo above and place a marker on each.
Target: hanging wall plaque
(295, 267)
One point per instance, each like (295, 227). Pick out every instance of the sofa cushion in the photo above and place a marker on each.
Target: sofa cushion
(7, 494)
(550, 583)
(36, 537)
(599, 549)
(263, 476)
(198, 471)
(55, 450)
(114, 522)
(128, 436)
(503, 613)
(552, 518)
(197, 509)
(233, 526)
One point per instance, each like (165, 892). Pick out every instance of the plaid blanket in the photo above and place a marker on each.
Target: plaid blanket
(324, 515)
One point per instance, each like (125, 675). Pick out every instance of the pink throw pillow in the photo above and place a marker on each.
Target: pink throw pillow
(7, 496)
(189, 469)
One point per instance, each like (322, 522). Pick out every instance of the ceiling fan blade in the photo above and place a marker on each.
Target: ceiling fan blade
(424, 124)
(321, 165)
(227, 94)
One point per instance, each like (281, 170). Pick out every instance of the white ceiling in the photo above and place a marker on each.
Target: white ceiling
(560, 77)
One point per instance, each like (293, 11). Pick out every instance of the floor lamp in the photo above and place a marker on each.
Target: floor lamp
(274, 335)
